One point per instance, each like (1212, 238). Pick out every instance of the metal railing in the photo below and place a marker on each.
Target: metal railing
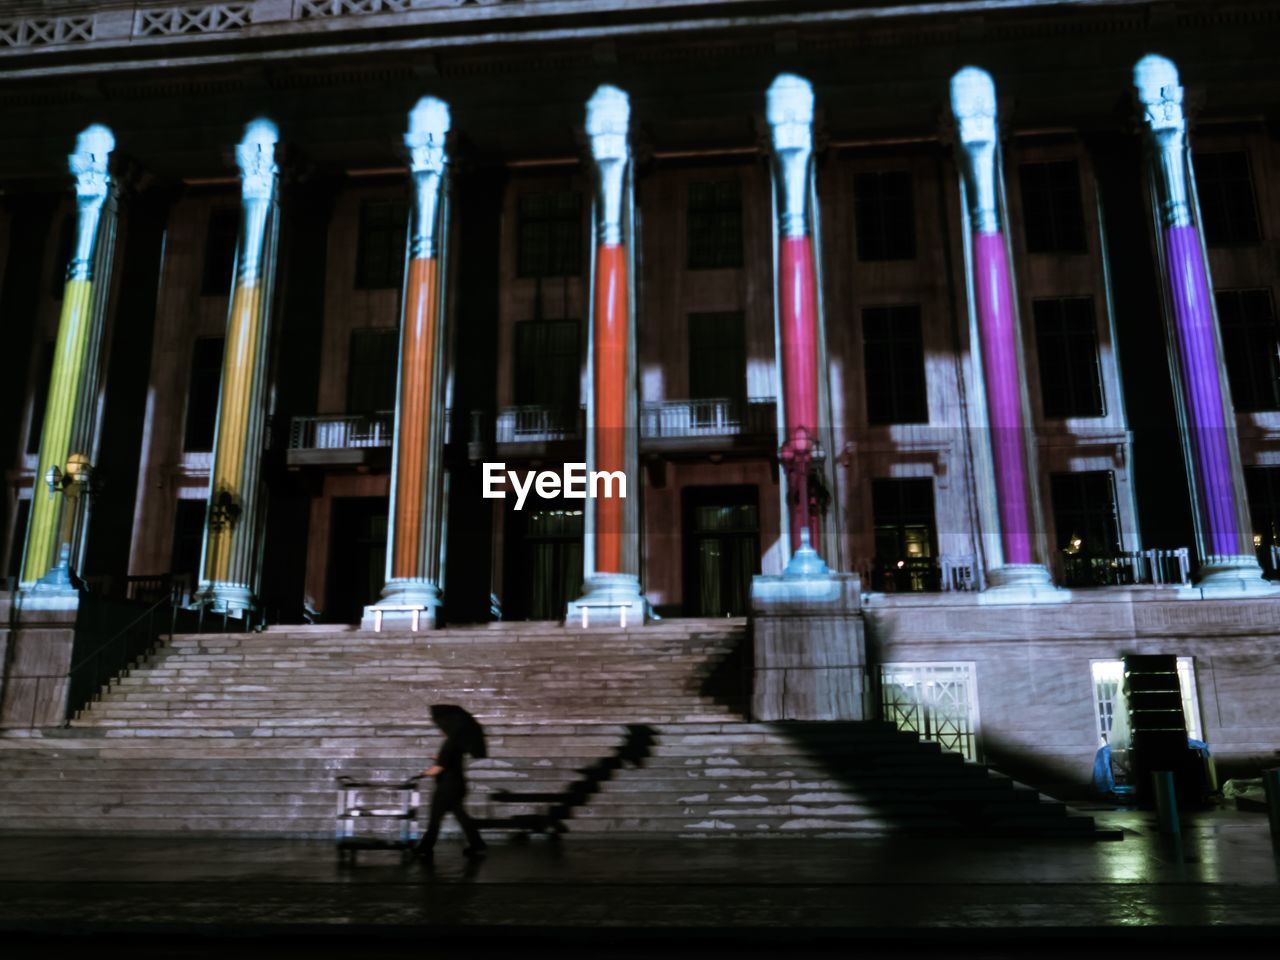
(716, 417)
(537, 424)
(147, 588)
(1155, 567)
(342, 431)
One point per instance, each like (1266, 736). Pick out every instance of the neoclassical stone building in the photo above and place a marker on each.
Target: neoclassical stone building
(987, 321)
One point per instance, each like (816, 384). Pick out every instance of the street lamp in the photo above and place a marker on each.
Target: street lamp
(72, 482)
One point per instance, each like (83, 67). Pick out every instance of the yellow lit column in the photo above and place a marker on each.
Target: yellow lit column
(67, 436)
(229, 562)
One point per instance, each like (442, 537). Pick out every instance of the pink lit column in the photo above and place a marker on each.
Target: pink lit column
(1205, 416)
(1013, 555)
(789, 112)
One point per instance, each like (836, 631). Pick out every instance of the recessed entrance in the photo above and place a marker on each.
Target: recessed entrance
(721, 549)
(544, 568)
(357, 556)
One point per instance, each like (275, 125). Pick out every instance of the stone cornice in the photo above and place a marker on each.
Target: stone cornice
(49, 37)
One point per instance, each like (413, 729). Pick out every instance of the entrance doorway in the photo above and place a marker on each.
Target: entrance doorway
(544, 570)
(357, 556)
(721, 549)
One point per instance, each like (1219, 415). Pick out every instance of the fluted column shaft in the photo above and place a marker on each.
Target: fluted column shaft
(1014, 554)
(1205, 416)
(229, 565)
(73, 384)
(417, 492)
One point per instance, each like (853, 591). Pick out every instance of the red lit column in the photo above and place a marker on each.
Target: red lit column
(789, 112)
(611, 587)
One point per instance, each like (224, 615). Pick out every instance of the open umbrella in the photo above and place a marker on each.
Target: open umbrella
(460, 726)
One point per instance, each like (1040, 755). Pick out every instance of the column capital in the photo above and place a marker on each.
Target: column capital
(425, 140)
(256, 158)
(1160, 95)
(608, 123)
(788, 109)
(974, 107)
(90, 165)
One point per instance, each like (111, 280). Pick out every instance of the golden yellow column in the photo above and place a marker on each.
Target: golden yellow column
(229, 565)
(66, 442)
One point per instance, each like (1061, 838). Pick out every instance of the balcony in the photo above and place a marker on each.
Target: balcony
(534, 426)
(945, 574)
(345, 439)
(714, 424)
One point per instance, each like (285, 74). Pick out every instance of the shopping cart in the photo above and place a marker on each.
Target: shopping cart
(381, 803)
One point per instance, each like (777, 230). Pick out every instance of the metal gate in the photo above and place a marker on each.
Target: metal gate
(938, 701)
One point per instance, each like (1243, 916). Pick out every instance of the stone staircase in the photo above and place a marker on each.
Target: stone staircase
(605, 731)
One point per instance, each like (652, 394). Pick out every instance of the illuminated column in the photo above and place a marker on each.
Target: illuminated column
(612, 548)
(67, 438)
(417, 488)
(1206, 420)
(229, 565)
(1005, 466)
(797, 320)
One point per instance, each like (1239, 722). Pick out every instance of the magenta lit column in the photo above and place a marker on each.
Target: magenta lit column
(1013, 554)
(789, 112)
(1205, 416)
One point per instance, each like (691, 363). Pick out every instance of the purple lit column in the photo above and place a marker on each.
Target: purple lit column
(1011, 532)
(1205, 417)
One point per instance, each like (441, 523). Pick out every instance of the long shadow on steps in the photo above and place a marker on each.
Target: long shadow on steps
(633, 750)
(915, 787)
(727, 680)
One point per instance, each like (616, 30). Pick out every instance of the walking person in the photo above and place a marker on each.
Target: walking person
(462, 735)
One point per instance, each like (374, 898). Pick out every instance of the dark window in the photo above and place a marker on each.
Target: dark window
(202, 396)
(1251, 348)
(220, 251)
(62, 256)
(893, 350)
(1263, 487)
(549, 367)
(715, 224)
(380, 250)
(906, 537)
(188, 536)
(1052, 210)
(1067, 346)
(717, 357)
(372, 366)
(550, 235)
(1227, 207)
(40, 399)
(1084, 513)
(884, 212)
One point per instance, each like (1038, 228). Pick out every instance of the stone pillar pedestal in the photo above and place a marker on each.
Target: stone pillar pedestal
(810, 649)
(36, 661)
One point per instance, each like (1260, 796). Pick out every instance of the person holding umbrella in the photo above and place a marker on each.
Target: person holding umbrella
(462, 735)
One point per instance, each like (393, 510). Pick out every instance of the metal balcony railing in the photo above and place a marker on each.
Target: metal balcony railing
(1155, 567)
(717, 417)
(341, 431)
(537, 424)
(945, 574)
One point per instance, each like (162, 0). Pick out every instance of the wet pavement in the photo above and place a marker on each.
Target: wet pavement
(637, 894)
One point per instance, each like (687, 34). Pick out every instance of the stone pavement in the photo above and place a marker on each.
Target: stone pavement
(648, 894)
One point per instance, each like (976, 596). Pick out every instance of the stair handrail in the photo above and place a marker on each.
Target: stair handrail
(76, 703)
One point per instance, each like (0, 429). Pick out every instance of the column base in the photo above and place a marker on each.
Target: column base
(808, 649)
(221, 596)
(608, 599)
(1022, 583)
(1229, 577)
(403, 600)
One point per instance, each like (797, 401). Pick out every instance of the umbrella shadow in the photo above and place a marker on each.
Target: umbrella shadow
(634, 750)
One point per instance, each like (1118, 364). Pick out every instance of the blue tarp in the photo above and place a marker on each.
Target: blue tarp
(1104, 781)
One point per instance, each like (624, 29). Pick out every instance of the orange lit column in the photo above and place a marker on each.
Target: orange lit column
(611, 587)
(67, 441)
(417, 477)
(229, 564)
